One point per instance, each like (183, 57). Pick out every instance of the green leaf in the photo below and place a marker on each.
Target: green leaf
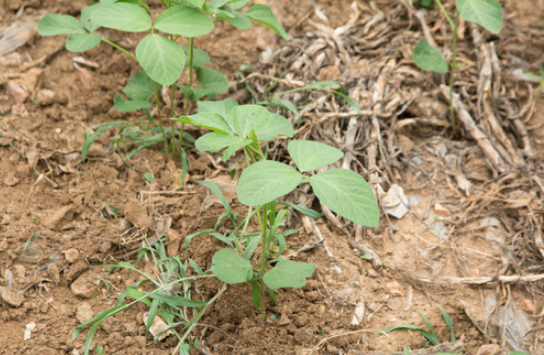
(197, 3)
(304, 210)
(185, 21)
(53, 25)
(129, 106)
(230, 267)
(223, 108)
(162, 59)
(211, 121)
(200, 57)
(263, 14)
(240, 21)
(448, 322)
(215, 141)
(212, 82)
(265, 181)
(100, 129)
(277, 125)
(140, 87)
(86, 17)
(348, 194)
(231, 149)
(217, 192)
(310, 155)
(82, 42)
(288, 273)
(486, 13)
(175, 300)
(248, 117)
(429, 58)
(122, 16)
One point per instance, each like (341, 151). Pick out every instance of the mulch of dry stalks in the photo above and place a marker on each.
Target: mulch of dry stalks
(370, 57)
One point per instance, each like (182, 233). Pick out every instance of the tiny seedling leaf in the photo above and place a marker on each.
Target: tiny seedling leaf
(82, 42)
(129, 106)
(217, 192)
(231, 149)
(265, 181)
(486, 13)
(304, 210)
(248, 117)
(263, 14)
(230, 267)
(122, 16)
(348, 194)
(53, 25)
(310, 155)
(175, 300)
(288, 273)
(429, 58)
(162, 59)
(185, 21)
(277, 125)
(140, 87)
(215, 141)
(211, 121)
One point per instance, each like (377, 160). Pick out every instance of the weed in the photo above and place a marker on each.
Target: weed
(162, 59)
(486, 13)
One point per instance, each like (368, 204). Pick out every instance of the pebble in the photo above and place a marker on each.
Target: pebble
(489, 349)
(83, 286)
(17, 92)
(11, 298)
(71, 255)
(528, 306)
(395, 289)
(45, 97)
(84, 312)
(284, 320)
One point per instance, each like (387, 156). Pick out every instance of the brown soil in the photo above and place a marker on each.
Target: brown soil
(52, 205)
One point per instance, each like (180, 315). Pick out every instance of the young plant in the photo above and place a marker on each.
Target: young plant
(263, 182)
(162, 59)
(486, 13)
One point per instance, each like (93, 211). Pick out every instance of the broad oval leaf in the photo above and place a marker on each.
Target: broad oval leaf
(248, 117)
(212, 82)
(240, 21)
(82, 42)
(310, 155)
(263, 14)
(215, 141)
(54, 25)
(486, 13)
(122, 16)
(140, 87)
(86, 17)
(348, 194)
(185, 21)
(429, 58)
(288, 273)
(277, 125)
(230, 267)
(265, 181)
(162, 59)
(223, 108)
(129, 106)
(211, 121)
(200, 57)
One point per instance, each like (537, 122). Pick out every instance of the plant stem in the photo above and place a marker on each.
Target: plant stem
(114, 45)
(445, 13)
(452, 74)
(264, 256)
(187, 101)
(158, 99)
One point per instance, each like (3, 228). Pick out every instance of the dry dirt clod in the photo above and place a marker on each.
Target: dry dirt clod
(489, 349)
(284, 320)
(11, 298)
(71, 255)
(83, 286)
(17, 92)
(528, 306)
(175, 242)
(395, 289)
(84, 312)
(45, 97)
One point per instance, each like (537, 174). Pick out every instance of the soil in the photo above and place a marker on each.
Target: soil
(454, 248)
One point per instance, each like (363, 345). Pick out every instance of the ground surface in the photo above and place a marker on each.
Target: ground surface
(471, 242)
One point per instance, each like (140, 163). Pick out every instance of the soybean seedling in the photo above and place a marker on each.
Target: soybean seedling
(263, 182)
(162, 59)
(486, 13)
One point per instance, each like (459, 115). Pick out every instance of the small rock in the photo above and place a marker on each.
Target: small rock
(174, 241)
(489, 349)
(71, 255)
(441, 210)
(395, 289)
(84, 312)
(45, 97)
(11, 298)
(11, 179)
(29, 328)
(83, 286)
(17, 92)
(284, 320)
(528, 306)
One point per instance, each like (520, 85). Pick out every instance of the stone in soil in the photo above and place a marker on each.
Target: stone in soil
(83, 286)
(11, 298)
(84, 312)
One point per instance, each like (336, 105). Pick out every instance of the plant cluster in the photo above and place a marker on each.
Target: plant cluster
(486, 13)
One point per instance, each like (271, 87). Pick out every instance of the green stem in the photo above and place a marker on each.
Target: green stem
(264, 256)
(158, 100)
(114, 45)
(186, 107)
(452, 73)
(445, 13)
